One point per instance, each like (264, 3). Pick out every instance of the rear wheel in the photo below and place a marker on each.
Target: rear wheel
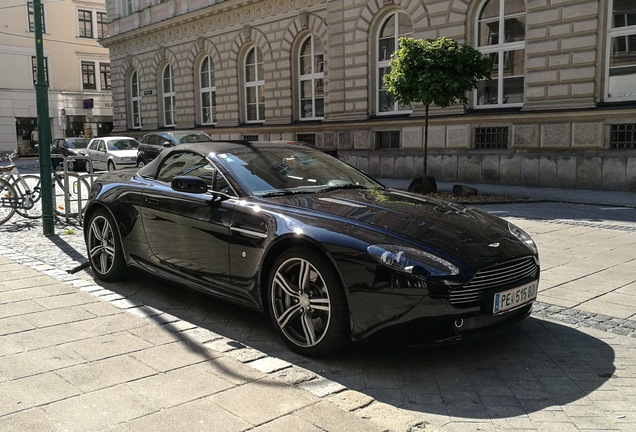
(31, 206)
(8, 200)
(105, 253)
(307, 303)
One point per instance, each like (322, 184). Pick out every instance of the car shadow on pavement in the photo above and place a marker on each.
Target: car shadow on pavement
(534, 366)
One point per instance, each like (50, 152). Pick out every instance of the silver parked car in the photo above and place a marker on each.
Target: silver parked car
(111, 153)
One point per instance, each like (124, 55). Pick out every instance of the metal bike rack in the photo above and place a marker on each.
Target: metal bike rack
(89, 177)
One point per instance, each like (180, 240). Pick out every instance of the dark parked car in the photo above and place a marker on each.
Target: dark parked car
(154, 143)
(328, 253)
(70, 146)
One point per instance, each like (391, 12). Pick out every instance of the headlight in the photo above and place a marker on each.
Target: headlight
(410, 260)
(523, 237)
(127, 159)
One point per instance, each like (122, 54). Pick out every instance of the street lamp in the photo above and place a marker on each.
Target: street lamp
(44, 126)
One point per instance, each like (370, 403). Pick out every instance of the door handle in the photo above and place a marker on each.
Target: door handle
(152, 201)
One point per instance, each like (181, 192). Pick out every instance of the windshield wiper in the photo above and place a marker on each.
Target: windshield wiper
(285, 193)
(342, 186)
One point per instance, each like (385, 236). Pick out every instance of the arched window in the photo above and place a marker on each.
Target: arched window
(621, 71)
(311, 79)
(135, 102)
(168, 93)
(501, 28)
(254, 86)
(396, 25)
(207, 85)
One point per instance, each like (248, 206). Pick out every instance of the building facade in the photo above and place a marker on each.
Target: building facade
(77, 70)
(559, 110)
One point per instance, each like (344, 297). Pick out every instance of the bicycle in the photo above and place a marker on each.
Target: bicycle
(21, 193)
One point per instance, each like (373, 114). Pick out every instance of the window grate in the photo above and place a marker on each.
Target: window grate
(308, 138)
(250, 137)
(491, 137)
(623, 136)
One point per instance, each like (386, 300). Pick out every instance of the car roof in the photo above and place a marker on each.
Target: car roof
(177, 132)
(115, 138)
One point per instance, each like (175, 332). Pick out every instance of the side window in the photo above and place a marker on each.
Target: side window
(185, 163)
(191, 164)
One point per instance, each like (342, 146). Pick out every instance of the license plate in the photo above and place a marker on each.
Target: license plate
(512, 298)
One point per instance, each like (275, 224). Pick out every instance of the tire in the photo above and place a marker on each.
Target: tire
(78, 190)
(105, 252)
(141, 163)
(111, 166)
(31, 197)
(312, 316)
(8, 198)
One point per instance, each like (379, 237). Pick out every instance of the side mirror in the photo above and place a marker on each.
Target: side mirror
(189, 184)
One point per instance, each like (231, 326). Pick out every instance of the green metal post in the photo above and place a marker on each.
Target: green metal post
(44, 125)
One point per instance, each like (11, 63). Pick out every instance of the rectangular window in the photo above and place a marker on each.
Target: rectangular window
(491, 137)
(387, 140)
(102, 25)
(88, 76)
(621, 71)
(623, 136)
(85, 23)
(34, 67)
(129, 7)
(31, 14)
(104, 76)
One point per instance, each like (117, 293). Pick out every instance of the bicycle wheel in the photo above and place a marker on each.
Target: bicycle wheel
(30, 192)
(73, 201)
(8, 200)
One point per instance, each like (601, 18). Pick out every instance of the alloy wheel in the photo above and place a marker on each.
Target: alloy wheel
(101, 245)
(300, 302)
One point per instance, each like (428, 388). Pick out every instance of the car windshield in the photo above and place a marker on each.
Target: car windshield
(192, 138)
(78, 143)
(283, 171)
(123, 144)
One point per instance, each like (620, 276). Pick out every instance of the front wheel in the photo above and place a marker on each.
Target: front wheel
(103, 242)
(111, 166)
(307, 303)
(141, 163)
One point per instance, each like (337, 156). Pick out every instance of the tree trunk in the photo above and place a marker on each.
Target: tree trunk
(426, 143)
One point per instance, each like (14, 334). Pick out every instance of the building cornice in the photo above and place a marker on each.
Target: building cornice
(200, 22)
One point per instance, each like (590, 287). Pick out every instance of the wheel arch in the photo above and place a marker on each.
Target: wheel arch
(284, 244)
(90, 210)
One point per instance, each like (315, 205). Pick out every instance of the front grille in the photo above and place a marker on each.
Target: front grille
(500, 275)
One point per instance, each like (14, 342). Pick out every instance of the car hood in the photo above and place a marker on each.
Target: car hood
(447, 229)
(123, 153)
(78, 152)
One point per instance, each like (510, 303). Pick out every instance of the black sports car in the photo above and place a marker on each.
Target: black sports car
(331, 255)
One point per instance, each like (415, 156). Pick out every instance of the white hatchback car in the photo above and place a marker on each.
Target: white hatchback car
(111, 153)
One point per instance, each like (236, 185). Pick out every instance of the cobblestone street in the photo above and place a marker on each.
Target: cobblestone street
(570, 367)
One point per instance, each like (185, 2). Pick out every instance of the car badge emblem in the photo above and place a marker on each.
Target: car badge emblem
(493, 245)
